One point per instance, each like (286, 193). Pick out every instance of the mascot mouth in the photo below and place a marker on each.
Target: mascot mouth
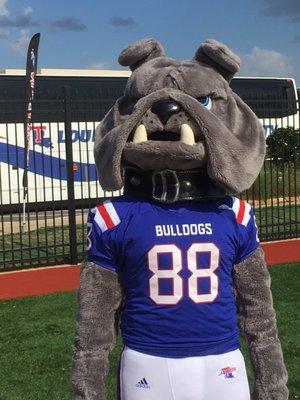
(178, 147)
(184, 135)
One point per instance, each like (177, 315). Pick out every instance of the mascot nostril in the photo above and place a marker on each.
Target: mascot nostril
(177, 257)
(165, 109)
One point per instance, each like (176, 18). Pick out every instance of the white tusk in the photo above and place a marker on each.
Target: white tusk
(140, 134)
(187, 134)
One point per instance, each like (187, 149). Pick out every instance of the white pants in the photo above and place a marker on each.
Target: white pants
(218, 377)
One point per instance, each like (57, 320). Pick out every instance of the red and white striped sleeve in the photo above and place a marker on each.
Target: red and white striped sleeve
(248, 232)
(106, 216)
(102, 242)
(242, 211)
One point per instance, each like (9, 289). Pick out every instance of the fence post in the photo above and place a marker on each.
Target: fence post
(70, 178)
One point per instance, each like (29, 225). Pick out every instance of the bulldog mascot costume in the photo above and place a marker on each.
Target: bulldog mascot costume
(177, 257)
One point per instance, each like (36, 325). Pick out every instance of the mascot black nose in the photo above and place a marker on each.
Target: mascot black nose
(165, 109)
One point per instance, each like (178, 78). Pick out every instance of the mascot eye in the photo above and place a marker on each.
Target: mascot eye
(205, 102)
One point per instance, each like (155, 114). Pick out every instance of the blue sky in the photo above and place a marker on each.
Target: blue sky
(91, 33)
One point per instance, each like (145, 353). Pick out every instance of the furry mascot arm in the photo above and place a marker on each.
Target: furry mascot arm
(258, 325)
(99, 298)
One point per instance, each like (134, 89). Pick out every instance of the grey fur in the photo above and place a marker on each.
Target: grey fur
(143, 50)
(230, 144)
(99, 297)
(258, 324)
(228, 134)
(220, 57)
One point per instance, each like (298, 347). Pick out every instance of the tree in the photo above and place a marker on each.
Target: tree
(284, 145)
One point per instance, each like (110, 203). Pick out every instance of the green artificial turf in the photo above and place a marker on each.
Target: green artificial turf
(36, 338)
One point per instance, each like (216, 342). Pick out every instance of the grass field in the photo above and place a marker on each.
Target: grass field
(36, 338)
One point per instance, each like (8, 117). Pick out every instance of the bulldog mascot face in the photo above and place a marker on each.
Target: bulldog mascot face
(177, 256)
(181, 115)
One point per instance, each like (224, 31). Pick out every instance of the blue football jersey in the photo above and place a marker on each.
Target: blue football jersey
(175, 263)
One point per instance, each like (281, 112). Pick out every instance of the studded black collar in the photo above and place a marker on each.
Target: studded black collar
(169, 186)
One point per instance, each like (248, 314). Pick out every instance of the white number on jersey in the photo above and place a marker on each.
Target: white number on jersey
(169, 273)
(176, 267)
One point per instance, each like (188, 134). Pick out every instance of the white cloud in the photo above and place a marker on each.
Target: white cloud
(20, 44)
(263, 62)
(98, 65)
(15, 31)
(28, 10)
(3, 10)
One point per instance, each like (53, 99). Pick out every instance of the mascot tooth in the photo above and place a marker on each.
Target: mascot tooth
(140, 134)
(187, 134)
(176, 261)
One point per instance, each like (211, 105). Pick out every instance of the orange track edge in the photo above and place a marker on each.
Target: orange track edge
(64, 278)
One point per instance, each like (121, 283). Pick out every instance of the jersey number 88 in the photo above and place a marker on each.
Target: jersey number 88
(177, 281)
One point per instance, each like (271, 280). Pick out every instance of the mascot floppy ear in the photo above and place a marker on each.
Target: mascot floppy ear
(140, 52)
(241, 137)
(218, 56)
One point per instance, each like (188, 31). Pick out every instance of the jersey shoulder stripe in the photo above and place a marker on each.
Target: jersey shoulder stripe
(241, 210)
(106, 216)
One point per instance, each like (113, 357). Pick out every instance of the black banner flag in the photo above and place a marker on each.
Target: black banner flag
(31, 70)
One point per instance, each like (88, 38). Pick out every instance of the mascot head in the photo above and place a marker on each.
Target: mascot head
(179, 123)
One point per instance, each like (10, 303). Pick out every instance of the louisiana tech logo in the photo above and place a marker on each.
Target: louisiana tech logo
(228, 372)
(39, 136)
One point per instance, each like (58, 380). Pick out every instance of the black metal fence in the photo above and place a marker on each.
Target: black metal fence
(63, 183)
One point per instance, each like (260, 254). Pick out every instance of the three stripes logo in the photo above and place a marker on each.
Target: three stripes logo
(143, 384)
